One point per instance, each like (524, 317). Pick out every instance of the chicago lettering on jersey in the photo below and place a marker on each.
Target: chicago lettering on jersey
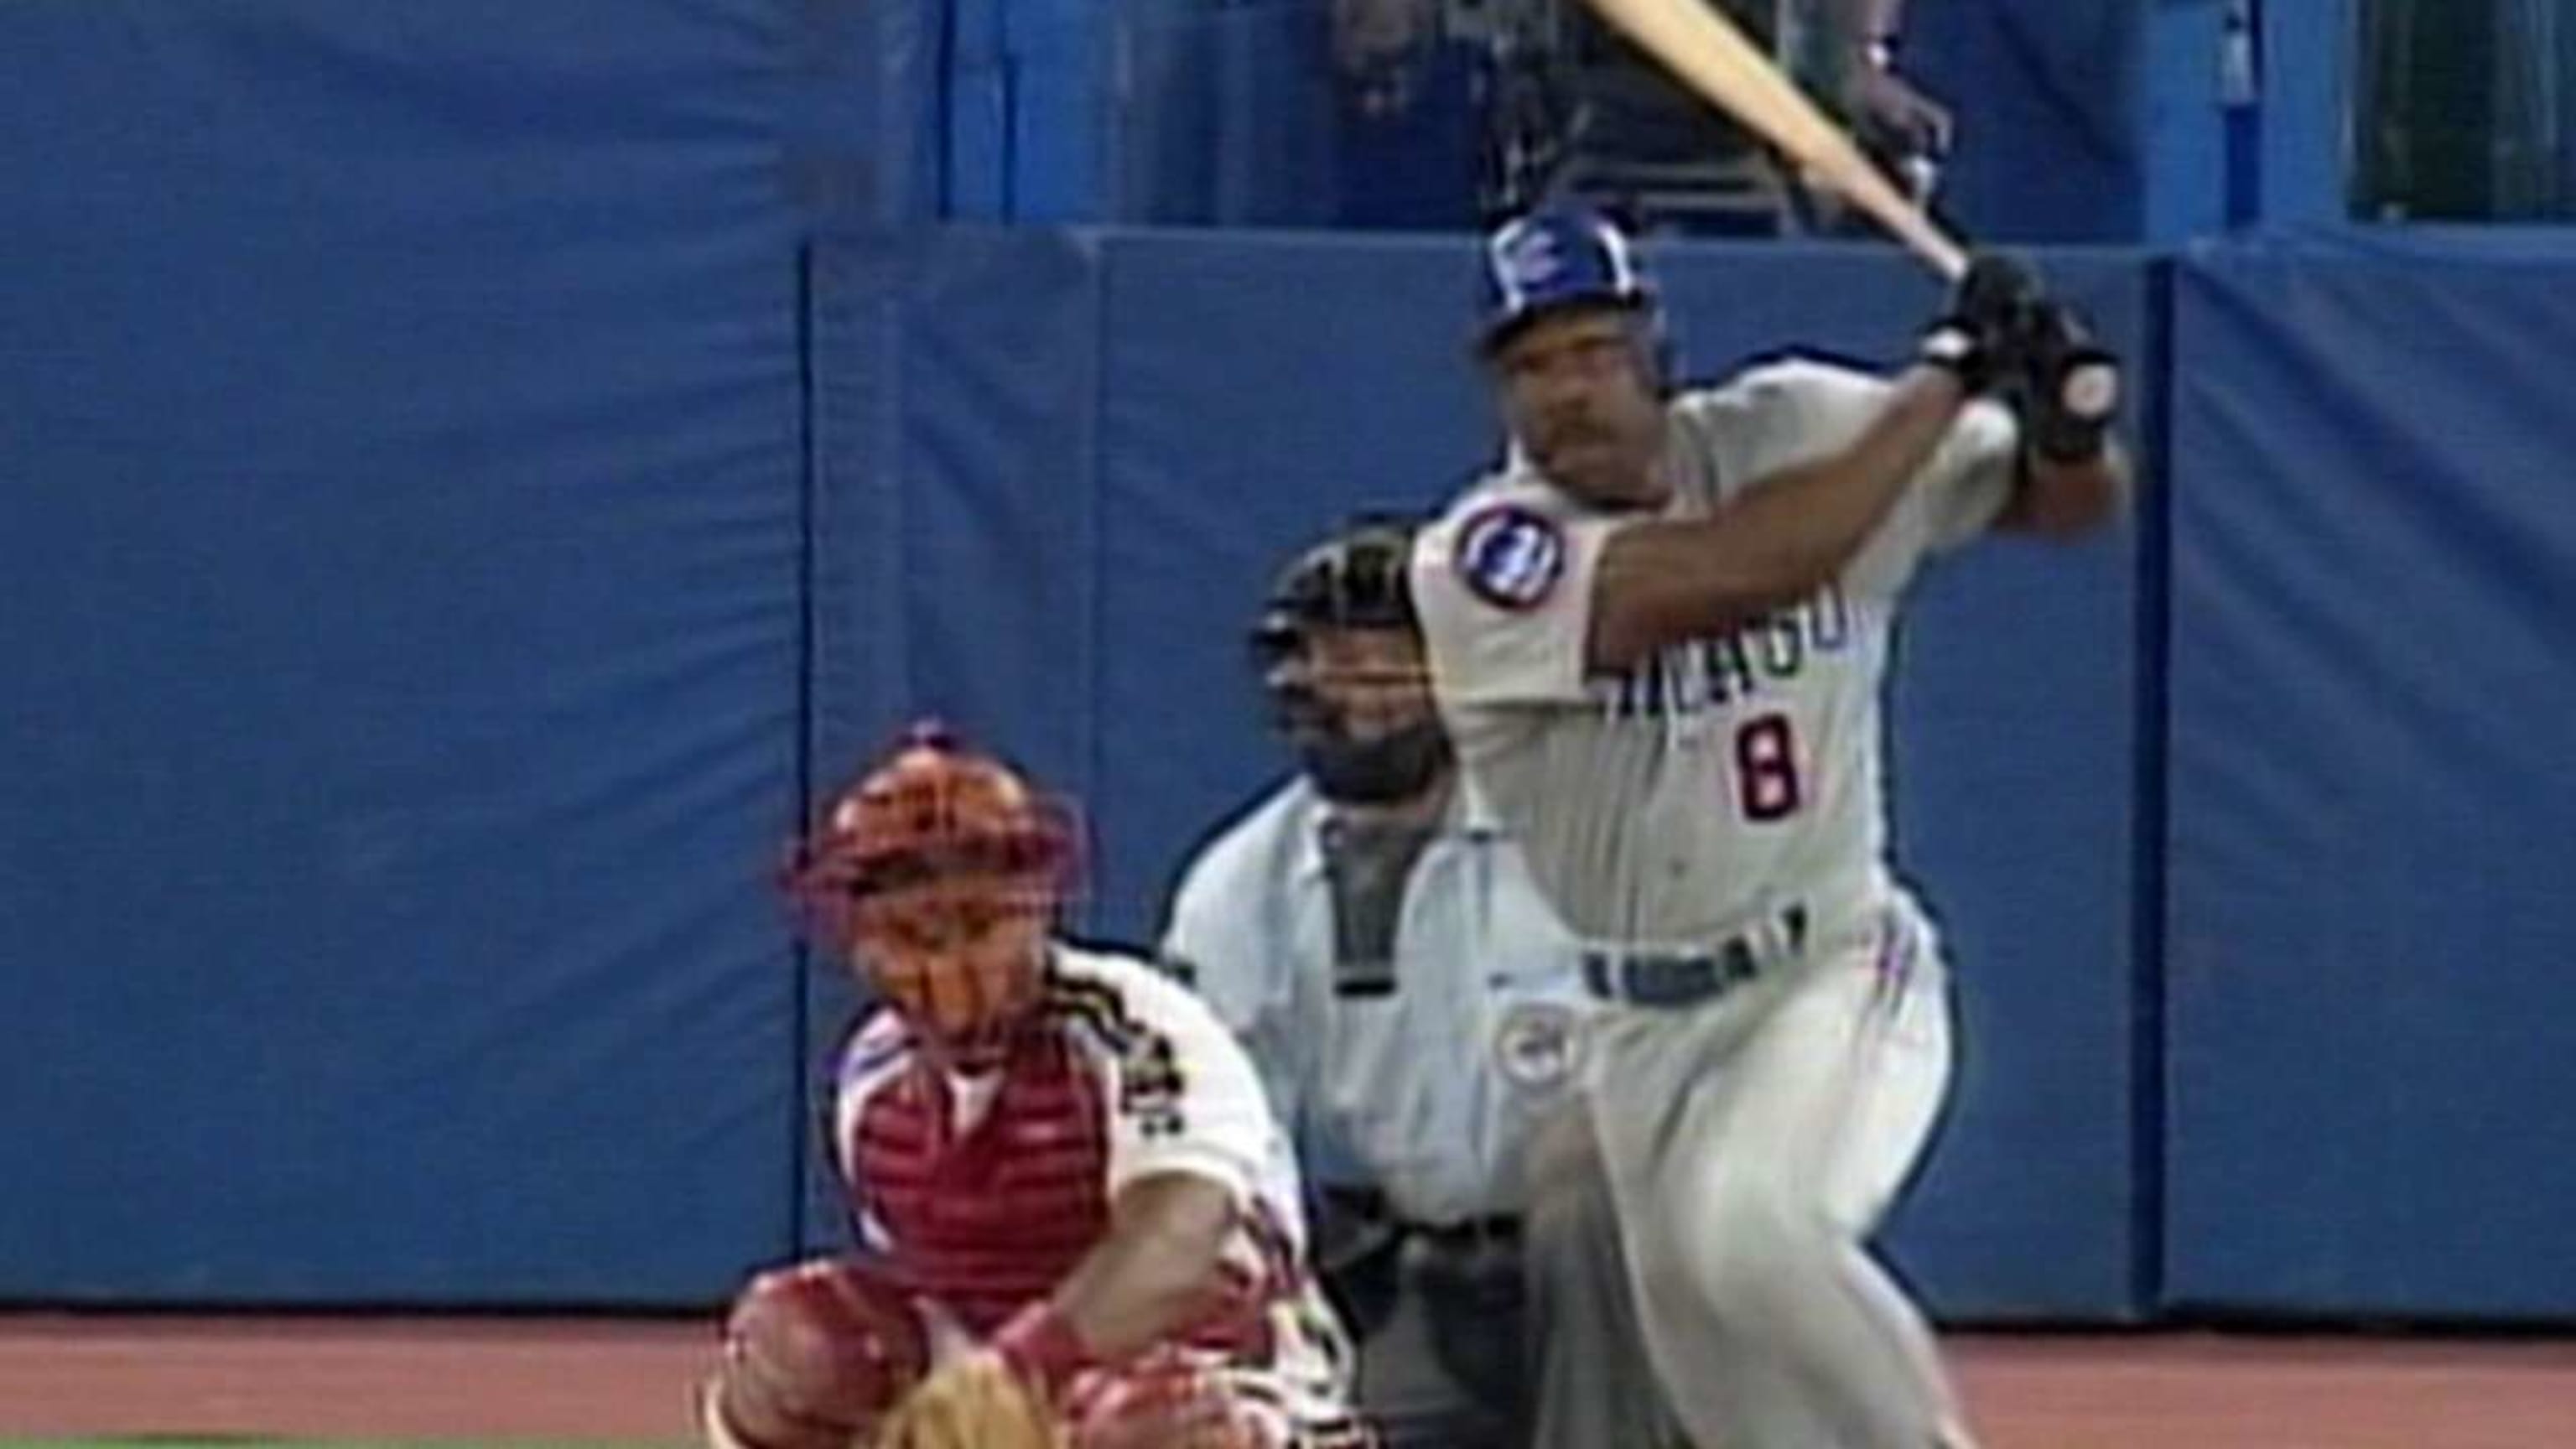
(1710, 673)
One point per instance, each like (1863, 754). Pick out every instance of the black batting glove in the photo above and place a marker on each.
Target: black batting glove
(2069, 389)
(1991, 317)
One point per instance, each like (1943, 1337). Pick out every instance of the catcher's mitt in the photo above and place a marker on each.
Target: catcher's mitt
(815, 1353)
(973, 1402)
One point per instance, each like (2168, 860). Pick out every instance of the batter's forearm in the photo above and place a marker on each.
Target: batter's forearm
(1779, 541)
(1154, 1272)
(1788, 534)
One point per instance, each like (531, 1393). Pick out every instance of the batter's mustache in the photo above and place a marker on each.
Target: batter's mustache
(1581, 428)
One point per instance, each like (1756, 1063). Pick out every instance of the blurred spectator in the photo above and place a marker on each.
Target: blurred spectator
(1451, 114)
(1379, 49)
(1851, 53)
(1622, 133)
(1406, 115)
(2465, 111)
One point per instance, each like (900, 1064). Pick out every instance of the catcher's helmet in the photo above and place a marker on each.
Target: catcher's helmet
(1365, 730)
(1555, 259)
(941, 871)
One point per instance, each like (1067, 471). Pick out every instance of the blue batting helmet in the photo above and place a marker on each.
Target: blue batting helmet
(1554, 259)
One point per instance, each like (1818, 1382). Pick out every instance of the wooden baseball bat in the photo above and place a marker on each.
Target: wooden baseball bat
(1708, 53)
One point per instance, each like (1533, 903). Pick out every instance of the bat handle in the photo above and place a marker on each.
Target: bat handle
(1931, 244)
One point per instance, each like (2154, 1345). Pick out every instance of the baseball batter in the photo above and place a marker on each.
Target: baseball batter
(1658, 635)
(1079, 1224)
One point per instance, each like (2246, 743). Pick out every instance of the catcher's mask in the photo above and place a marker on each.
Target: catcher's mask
(940, 875)
(1339, 651)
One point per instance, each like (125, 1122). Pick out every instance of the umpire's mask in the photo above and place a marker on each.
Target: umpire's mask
(1339, 652)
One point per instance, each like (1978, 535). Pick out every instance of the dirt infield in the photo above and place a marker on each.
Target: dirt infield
(451, 1378)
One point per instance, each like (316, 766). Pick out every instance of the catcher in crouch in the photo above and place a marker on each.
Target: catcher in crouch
(1079, 1225)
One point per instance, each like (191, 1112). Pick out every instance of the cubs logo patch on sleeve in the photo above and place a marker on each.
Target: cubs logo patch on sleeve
(1510, 557)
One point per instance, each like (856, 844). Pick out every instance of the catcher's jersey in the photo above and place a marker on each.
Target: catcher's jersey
(1430, 1067)
(1680, 801)
(984, 1190)
(1175, 1090)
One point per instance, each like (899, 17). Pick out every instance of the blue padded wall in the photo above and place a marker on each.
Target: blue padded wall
(2374, 566)
(400, 522)
(1344, 387)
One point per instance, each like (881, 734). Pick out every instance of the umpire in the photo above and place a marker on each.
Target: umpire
(1375, 941)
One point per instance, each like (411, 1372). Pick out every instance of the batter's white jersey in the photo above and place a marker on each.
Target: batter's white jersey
(1677, 803)
(1433, 1076)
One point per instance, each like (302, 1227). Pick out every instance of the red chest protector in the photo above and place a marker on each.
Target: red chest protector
(990, 1218)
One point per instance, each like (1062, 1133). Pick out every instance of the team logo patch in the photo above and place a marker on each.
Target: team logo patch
(1510, 557)
(1538, 1044)
(1526, 260)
